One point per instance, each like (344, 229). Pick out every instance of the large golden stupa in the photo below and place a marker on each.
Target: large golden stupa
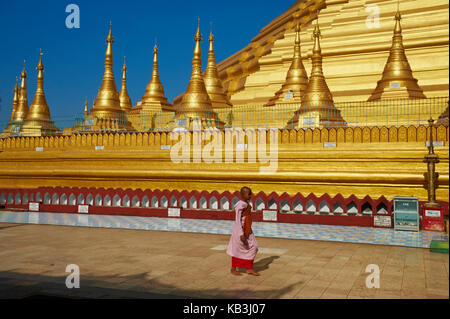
(348, 86)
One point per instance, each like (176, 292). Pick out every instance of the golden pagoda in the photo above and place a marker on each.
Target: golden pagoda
(154, 98)
(296, 79)
(196, 104)
(9, 128)
(213, 84)
(38, 121)
(106, 114)
(397, 80)
(125, 101)
(20, 111)
(317, 107)
(86, 108)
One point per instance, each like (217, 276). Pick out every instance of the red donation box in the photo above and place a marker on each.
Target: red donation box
(433, 218)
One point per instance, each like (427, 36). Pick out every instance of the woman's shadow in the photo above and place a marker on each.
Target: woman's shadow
(264, 263)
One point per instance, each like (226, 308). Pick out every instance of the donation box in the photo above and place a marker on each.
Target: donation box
(433, 218)
(406, 213)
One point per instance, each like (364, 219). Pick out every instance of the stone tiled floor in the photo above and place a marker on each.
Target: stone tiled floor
(156, 264)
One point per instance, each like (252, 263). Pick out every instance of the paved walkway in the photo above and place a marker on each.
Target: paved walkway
(364, 235)
(158, 264)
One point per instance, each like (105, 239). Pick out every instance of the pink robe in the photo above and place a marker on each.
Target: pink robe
(236, 247)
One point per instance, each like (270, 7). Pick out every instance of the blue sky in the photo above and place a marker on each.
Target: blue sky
(73, 58)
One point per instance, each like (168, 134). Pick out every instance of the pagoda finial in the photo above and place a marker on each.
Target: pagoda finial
(108, 98)
(196, 103)
(397, 80)
(296, 79)
(86, 108)
(213, 84)
(317, 100)
(22, 106)
(39, 110)
(124, 98)
(154, 98)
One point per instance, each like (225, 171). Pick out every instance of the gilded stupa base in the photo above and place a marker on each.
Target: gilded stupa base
(39, 128)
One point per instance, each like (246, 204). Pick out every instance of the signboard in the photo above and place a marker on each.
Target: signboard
(432, 213)
(270, 215)
(309, 121)
(165, 147)
(83, 209)
(33, 207)
(406, 213)
(289, 96)
(241, 146)
(382, 221)
(181, 123)
(329, 144)
(99, 148)
(433, 219)
(90, 122)
(436, 144)
(395, 85)
(173, 212)
(39, 149)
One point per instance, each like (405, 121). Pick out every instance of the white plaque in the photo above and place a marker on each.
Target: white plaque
(83, 209)
(165, 147)
(241, 146)
(99, 147)
(382, 221)
(39, 149)
(33, 207)
(329, 144)
(270, 215)
(433, 213)
(436, 144)
(309, 121)
(173, 212)
(395, 85)
(289, 96)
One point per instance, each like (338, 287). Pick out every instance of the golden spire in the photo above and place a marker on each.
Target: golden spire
(296, 78)
(125, 101)
(212, 81)
(86, 108)
(22, 106)
(196, 103)
(317, 101)
(38, 121)
(154, 97)
(397, 80)
(39, 109)
(108, 97)
(15, 101)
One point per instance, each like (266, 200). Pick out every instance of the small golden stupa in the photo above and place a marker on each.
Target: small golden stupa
(213, 84)
(38, 120)
(10, 127)
(124, 98)
(196, 104)
(22, 106)
(154, 98)
(106, 114)
(86, 108)
(296, 79)
(317, 108)
(397, 80)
